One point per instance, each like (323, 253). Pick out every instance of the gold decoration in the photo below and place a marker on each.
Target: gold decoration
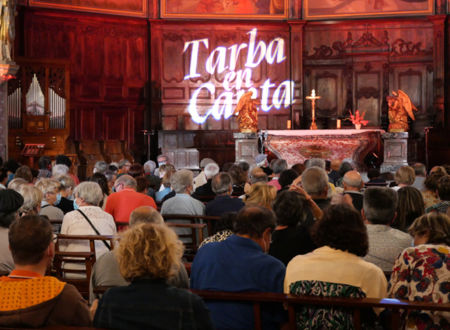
(247, 113)
(400, 107)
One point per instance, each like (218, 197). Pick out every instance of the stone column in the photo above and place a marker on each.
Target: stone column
(395, 151)
(246, 146)
(6, 71)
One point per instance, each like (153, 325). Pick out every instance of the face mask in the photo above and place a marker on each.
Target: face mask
(58, 199)
(75, 205)
(161, 163)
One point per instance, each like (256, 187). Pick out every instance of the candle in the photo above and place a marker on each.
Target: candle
(338, 124)
(289, 124)
(313, 93)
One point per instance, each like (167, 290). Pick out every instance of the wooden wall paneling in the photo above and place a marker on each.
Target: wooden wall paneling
(296, 68)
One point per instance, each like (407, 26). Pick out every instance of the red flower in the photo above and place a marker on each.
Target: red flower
(358, 119)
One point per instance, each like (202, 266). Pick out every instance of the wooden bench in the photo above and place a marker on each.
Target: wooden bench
(209, 220)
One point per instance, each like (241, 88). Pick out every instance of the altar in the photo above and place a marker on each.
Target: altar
(295, 146)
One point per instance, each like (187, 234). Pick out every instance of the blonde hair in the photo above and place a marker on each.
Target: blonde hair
(16, 183)
(405, 175)
(48, 186)
(261, 194)
(32, 198)
(149, 250)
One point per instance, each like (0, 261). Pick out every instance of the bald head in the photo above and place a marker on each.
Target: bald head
(352, 181)
(145, 214)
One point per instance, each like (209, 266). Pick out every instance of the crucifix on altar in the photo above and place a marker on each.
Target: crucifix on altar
(313, 99)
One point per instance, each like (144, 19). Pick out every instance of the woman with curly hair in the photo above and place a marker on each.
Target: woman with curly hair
(421, 273)
(148, 255)
(261, 194)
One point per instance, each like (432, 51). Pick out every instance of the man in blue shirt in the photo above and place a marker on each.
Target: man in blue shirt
(240, 264)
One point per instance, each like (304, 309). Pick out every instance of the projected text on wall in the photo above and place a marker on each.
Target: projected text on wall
(237, 82)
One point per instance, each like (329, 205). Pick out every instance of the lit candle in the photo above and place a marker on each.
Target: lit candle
(313, 93)
(289, 124)
(338, 124)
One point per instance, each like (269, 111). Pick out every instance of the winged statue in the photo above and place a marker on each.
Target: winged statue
(400, 108)
(247, 113)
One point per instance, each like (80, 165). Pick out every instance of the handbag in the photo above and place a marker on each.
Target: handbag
(95, 229)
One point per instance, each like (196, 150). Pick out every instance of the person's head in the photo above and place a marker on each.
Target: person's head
(88, 193)
(244, 165)
(431, 228)
(59, 169)
(299, 168)
(3, 176)
(211, 169)
(10, 202)
(344, 168)
(141, 184)
(261, 160)
(100, 167)
(136, 170)
(342, 228)
(182, 181)
(419, 169)
(438, 169)
(44, 163)
(166, 171)
(14, 184)
(50, 189)
(205, 161)
(335, 164)
(149, 167)
(286, 178)
(67, 185)
(278, 166)
(318, 162)
(405, 176)
(30, 240)
(258, 175)
(11, 165)
(162, 160)
(145, 214)
(290, 208)
(315, 182)
(352, 181)
(261, 194)
(149, 250)
(443, 188)
(125, 181)
(373, 173)
(257, 223)
(124, 165)
(410, 206)
(237, 175)
(431, 182)
(222, 184)
(24, 172)
(64, 160)
(380, 205)
(32, 198)
(111, 177)
(101, 180)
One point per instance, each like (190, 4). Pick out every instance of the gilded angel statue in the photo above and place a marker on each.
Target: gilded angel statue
(400, 108)
(247, 113)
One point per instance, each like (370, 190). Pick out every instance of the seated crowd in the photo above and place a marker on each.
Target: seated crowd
(319, 229)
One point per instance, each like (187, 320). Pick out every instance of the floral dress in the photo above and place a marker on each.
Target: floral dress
(422, 273)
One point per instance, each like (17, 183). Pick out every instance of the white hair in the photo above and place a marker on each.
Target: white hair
(149, 166)
(59, 169)
(181, 180)
(90, 192)
(211, 169)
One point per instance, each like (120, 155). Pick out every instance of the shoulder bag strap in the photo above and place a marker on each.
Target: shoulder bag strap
(95, 229)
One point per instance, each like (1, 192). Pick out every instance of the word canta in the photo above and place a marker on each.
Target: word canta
(236, 83)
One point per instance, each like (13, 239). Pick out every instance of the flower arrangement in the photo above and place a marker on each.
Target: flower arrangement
(358, 119)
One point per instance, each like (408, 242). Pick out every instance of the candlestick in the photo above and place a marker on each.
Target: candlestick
(313, 99)
(289, 124)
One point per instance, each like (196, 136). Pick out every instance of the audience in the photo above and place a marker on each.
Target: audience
(240, 263)
(409, 207)
(335, 268)
(30, 299)
(100, 167)
(239, 179)
(286, 179)
(222, 229)
(202, 178)
(45, 167)
(51, 197)
(32, 199)
(333, 175)
(261, 194)
(148, 255)
(10, 203)
(315, 182)
(222, 186)
(24, 172)
(430, 196)
(421, 273)
(353, 184)
(3, 178)
(278, 166)
(385, 242)
(420, 171)
(291, 236)
(87, 219)
(443, 192)
(106, 269)
(262, 162)
(205, 191)
(165, 171)
(121, 203)
(66, 192)
(404, 177)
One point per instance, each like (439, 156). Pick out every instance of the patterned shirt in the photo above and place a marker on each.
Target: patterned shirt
(422, 273)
